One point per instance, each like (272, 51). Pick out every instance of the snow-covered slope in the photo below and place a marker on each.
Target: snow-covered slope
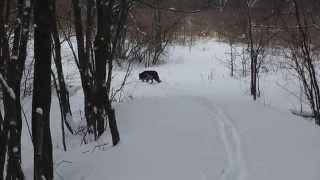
(198, 124)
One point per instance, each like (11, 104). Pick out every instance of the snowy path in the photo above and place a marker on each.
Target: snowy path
(162, 138)
(236, 169)
(198, 124)
(236, 166)
(232, 140)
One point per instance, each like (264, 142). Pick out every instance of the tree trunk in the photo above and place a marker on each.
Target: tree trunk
(3, 57)
(113, 127)
(84, 65)
(253, 55)
(157, 35)
(232, 63)
(102, 55)
(13, 119)
(13, 123)
(2, 146)
(41, 99)
(62, 88)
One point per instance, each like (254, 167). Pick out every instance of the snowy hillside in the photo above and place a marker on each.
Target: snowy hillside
(198, 124)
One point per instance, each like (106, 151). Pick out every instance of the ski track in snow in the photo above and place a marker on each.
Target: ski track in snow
(231, 138)
(236, 169)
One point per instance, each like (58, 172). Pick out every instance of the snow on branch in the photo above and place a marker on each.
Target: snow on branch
(252, 3)
(39, 111)
(304, 114)
(316, 26)
(171, 9)
(135, 22)
(7, 87)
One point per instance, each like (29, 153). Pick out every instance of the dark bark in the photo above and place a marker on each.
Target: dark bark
(25, 27)
(89, 32)
(62, 90)
(116, 39)
(41, 99)
(96, 81)
(39, 151)
(90, 69)
(106, 41)
(84, 65)
(12, 118)
(232, 59)
(13, 123)
(157, 44)
(102, 55)
(3, 56)
(253, 55)
(2, 146)
(113, 128)
(26, 16)
(14, 70)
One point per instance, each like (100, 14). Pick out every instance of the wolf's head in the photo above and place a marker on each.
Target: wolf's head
(158, 80)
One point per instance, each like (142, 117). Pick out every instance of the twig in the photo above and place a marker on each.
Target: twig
(174, 10)
(26, 119)
(99, 146)
(62, 162)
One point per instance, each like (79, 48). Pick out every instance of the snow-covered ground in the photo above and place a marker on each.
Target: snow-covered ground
(198, 124)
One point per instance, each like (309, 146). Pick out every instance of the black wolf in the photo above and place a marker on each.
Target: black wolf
(149, 75)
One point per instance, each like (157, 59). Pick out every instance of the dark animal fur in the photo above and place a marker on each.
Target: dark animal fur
(149, 75)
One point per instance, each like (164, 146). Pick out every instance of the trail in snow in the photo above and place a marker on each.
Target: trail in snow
(188, 127)
(230, 136)
(236, 164)
(162, 138)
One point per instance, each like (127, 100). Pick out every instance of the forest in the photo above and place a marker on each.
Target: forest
(51, 48)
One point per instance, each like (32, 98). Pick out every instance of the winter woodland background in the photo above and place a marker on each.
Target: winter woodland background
(239, 97)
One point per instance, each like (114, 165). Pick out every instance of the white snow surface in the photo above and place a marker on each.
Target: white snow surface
(198, 124)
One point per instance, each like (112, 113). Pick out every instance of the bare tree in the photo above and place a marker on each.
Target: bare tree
(3, 57)
(110, 23)
(12, 66)
(96, 64)
(258, 38)
(302, 54)
(154, 32)
(61, 88)
(84, 59)
(2, 147)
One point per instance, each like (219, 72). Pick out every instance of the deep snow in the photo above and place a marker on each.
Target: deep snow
(198, 124)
